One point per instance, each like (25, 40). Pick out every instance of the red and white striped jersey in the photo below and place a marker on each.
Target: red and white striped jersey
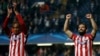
(83, 44)
(17, 42)
(17, 45)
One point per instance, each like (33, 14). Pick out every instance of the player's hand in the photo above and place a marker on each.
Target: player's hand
(14, 5)
(9, 11)
(68, 16)
(89, 16)
(15, 8)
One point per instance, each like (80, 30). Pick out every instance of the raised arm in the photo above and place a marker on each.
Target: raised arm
(5, 27)
(21, 22)
(93, 23)
(66, 26)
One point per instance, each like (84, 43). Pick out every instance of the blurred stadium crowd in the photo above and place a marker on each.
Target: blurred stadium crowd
(48, 16)
(43, 16)
(54, 50)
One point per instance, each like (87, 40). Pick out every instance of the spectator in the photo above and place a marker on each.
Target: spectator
(24, 8)
(44, 9)
(47, 24)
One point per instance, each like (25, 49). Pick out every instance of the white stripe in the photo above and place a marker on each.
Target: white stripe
(10, 53)
(24, 38)
(79, 47)
(13, 44)
(21, 44)
(83, 46)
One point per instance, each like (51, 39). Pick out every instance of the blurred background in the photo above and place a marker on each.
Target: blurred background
(45, 20)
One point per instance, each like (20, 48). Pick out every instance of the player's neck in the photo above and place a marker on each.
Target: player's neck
(18, 33)
(81, 34)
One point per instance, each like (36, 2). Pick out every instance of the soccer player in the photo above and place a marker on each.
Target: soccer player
(17, 33)
(82, 41)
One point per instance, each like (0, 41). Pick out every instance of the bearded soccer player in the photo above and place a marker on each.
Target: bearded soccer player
(82, 41)
(17, 34)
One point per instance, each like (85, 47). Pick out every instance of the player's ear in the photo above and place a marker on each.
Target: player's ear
(86, 30)
(12, 30)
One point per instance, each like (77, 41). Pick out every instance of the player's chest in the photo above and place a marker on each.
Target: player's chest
(15, 37)
(82, 40)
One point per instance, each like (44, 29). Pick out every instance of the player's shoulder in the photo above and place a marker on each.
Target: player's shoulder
(74, 35)
(22, 33)
(88, 34)
(25, 35)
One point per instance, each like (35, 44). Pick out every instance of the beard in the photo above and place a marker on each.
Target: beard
(82, 33)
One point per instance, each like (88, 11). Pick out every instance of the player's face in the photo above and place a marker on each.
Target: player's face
(82, 28)
(16, 28)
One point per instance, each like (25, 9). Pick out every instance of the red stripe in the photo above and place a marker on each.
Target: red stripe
(77, 50)
(19, 48)
(86, 45)
(76, 46)
(22, 44)
(74, 37)
(90, 47)
(81, 48)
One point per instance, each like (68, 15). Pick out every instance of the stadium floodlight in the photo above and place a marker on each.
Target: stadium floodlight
(44, 44)
(69, 43)
(96, 43)
(40, 3)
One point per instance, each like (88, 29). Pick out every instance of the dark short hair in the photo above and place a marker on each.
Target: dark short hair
(82, 24)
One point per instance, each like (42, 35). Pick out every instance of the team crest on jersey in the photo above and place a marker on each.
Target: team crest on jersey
(15, 37)
(82, 42)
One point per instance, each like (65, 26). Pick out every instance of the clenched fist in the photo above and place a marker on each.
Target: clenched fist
(89, 16)
(68, 16)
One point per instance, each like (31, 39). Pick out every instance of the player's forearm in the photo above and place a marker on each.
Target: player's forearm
(21, 22)
(19, 17)
(94, 25)
(6, 21)
(66, 24)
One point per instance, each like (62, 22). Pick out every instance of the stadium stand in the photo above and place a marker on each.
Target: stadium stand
(45, 20)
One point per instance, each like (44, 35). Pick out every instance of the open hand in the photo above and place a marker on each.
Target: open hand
(9, 10)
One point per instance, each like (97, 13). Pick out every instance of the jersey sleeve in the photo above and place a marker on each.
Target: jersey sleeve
(22, 23)
(90, 36)
(73, 37)
(5, 27)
